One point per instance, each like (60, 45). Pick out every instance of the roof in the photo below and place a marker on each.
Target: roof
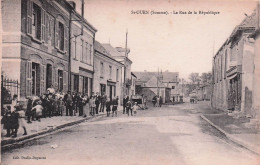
(153, 83)
(98, 47)
(250, 22)
(111, 50)
(133, 74)
(166, 76)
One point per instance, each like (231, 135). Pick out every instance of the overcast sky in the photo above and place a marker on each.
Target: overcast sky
(178, 43)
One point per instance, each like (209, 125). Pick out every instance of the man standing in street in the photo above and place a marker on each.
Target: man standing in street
(97, 102)
(68, 101)
(103, 102)
(125, 100)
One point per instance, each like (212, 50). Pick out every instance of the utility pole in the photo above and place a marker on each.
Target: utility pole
(125, 89)
(158, 83)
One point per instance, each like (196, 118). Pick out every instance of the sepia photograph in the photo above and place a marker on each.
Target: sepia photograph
(130, 82)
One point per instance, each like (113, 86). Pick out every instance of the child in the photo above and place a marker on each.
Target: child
(6, 120)
(38, 110)
(135, 108)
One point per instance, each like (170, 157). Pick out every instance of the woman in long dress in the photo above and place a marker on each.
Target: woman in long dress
(85, 106)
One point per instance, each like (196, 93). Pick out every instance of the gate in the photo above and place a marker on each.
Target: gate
(9, 88)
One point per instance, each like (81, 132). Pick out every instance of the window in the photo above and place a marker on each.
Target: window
(101, 69)
(110, 72)
(117, 74)
(35, 79)
(60, 80)
(36, 22)
(61, 36)
(48, 76)
(90, 54)
(85, 85)
(75, 47)
(82, 48)
(87, 56)
(76, 83)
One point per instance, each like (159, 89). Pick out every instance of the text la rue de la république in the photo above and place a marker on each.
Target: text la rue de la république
(154, 12)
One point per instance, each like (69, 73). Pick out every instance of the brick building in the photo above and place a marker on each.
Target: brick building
(233, 69)
(82, 54)
(35, 44)
(108, 73)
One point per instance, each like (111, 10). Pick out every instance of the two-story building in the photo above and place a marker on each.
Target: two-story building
(121, 55)
(233, 68)
(108, 73)
(82, 54)
(35, 48)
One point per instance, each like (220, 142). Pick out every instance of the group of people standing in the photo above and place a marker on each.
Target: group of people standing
(157, 101)
(129, 106)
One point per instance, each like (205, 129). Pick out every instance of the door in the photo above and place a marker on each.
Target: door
(48, 76)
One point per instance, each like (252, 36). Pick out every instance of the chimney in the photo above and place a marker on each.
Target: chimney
(72, 4)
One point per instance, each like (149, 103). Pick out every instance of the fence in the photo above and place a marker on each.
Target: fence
(9, 87)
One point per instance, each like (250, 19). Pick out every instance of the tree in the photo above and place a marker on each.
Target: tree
(206, 77)
(194, 77)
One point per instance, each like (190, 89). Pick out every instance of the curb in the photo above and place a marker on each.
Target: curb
(232, 138)
(12, 143)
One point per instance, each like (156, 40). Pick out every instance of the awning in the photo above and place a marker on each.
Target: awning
(232, 76)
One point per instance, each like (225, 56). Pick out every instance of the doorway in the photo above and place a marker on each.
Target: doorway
(48, 76)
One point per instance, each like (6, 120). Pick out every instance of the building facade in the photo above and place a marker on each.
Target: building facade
(35, 44)
(82, 55)
(121, 55)
(233, 70)
(108, 73)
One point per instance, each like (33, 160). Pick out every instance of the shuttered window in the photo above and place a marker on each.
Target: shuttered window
(29, 17)
(29, 78)
(61, 36)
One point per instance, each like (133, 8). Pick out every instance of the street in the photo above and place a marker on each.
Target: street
(173, 134)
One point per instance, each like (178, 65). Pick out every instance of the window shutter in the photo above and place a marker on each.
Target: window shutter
(56, 33)
(29, 79)
(29, 17)
(65, 80)
(52, 31)
(65, 38)
(56, 77)
(42, 79)
(47, 24)
(43, 29)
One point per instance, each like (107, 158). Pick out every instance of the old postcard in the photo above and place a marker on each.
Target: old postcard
(130, 82)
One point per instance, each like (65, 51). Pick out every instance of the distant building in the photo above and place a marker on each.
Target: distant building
(165, 84)
(108, 73)
(121, 55)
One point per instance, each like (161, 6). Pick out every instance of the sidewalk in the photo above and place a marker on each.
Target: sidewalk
(239, 130)
(45, 126)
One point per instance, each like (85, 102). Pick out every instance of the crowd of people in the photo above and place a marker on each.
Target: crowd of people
(55, 104)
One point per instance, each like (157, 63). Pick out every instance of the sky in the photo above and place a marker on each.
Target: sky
(183, 43)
